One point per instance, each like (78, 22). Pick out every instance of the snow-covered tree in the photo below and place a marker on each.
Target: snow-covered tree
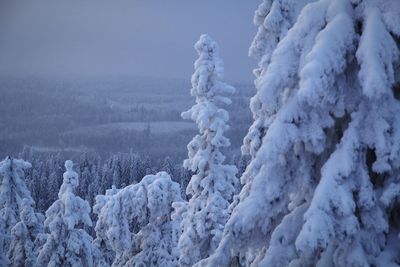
(3, 254)
(53, 178)
(322, 188)
(101, 240)
(167, 166)
(136, 223)
(12, 191)
(67, 244)
(213, 184)
(26, 236)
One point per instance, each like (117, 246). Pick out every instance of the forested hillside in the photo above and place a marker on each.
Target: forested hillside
(106, 115)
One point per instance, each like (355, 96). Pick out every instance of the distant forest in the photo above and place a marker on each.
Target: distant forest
(115, 130)
(106, 116)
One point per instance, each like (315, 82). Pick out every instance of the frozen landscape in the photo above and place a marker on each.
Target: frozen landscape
(116, 161)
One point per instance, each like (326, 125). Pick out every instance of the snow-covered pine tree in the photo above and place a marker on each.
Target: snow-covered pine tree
(85, 179)
(26, 236)
(94, 187)
(66, 244)
(213, 184)
(117, 169)
(107, 174)
(12, 191)
(101, 240)
(3, 254)
(167, 166)
(323, 185)
(54, 179)
(148, 205)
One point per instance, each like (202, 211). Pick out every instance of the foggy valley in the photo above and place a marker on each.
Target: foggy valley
(106, 115)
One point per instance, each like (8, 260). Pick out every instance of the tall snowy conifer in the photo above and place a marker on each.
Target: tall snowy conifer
(12, 191)
(66, 244)
(323, 185)
(135, 222)
(213, 184)
(27, 235)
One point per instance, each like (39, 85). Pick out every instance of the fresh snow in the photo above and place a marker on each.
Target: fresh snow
(322, 187)
(322, 184)
(213, 184)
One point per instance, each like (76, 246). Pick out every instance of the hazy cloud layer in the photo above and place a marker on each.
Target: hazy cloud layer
(148, 37)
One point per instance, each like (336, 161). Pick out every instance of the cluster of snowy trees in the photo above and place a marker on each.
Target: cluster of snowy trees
(323, 184)
(148, 222)
(96, 175)
(60, 237)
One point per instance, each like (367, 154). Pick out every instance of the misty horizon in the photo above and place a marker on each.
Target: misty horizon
(70, 39)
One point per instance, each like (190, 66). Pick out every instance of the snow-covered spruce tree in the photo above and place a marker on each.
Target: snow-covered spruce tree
(12, 191)
(213, 184)
(66, 244)
(147, 204)
(101, 240)
(3, 254)
(323, 185)
(26, 236)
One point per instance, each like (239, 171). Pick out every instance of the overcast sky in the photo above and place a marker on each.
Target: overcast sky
(123, 37)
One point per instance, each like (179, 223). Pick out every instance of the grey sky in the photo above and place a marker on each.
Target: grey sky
(122, 37)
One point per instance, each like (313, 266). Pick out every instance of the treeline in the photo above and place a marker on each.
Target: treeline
(103, 208)
(98, 174)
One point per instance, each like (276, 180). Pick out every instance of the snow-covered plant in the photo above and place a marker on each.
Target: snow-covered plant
(108, 254)
(12, 191)
(67, 244)
(322, 187)
(23, 247)
(213, 184)
(136, 222)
